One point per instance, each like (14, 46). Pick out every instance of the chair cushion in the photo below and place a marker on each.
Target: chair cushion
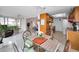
(28, 43)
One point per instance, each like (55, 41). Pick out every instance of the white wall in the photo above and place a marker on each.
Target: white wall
(58, 25)
(62, 25)
(65, 25)
(23, 24)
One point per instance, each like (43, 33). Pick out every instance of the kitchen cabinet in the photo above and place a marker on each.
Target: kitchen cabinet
(74, 15)
(73, 37)
(46, 21)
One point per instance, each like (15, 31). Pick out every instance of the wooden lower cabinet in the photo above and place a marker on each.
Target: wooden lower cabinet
(73, 37)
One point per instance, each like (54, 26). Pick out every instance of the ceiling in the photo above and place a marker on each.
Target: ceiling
(32, 11)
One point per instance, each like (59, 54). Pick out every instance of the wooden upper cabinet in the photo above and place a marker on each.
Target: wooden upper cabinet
(43, 18)
(74, 15)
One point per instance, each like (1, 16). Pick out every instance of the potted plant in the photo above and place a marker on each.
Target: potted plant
(3, 29)
(14, 28)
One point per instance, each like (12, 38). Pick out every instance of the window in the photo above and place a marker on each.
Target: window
(1, 20)
(11, 22)
(6, 20)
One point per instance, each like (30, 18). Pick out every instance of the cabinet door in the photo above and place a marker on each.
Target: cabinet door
(43, 25)
(73, 37)
(77, 14)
